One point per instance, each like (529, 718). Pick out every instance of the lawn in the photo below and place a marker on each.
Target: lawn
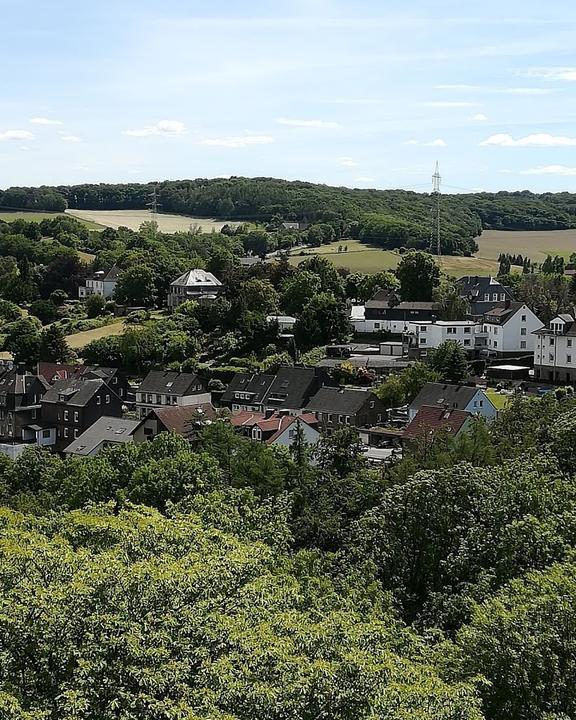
(362, 258)
(499, 401)
(31, 216)
(78, 340)
(134, 218)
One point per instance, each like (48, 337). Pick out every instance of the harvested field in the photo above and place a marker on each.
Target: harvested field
(134, 218)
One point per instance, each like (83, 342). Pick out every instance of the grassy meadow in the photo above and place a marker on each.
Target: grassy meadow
(31, 216)
(534, 244)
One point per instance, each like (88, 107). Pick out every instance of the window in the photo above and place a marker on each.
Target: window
(495, 331)
(423, 328)
(523, 318)
(485, 329)
(329, 417)
(45, 433)
(522, 331)
(467, 342)
(75, 432)
(487, 297)
(522, 344)
(159, 399)
(502, 297)
(551, 341)
(495, 343)
(75, 416)
(550, 357)
(568, 358)
(422, 341)
(65, 432)
(376, 326)
(98, 400)
(340, 419)
(451, 331)
(65, 414)
(107, 399)
(569, 342)
(467, 330)
(481, 403)
(495, 297)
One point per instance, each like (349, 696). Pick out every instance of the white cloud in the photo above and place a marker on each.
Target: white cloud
(347, 161)
(534, 140)
(166, 128)
(364, 179)
(480, 117)
(16, 135)
(326, 124)
(238, 142)
(71, 138)
(45, 121)
(550, 170)
(449, 104)
(412, 142)
(566, 74)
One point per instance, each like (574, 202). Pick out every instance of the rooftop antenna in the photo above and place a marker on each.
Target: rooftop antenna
(436, 182)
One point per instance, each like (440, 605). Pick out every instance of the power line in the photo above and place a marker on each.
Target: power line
(436, 183)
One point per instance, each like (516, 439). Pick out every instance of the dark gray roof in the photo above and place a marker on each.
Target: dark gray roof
(453, 396)
(105, 429)
(475, 286)
(255, 385)
(170, 382)
(339, 400)
(292, 387)
(14, 382)
(369, 361)
(74, 391)
(501, 313)
(112, 274)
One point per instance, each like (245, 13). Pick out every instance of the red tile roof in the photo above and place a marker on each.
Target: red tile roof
(275, 423)
(179, 418)
(430, 420)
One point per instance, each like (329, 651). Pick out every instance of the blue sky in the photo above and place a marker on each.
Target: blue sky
(364, 94)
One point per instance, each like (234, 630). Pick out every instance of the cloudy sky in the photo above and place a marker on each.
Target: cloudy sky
(364, 93)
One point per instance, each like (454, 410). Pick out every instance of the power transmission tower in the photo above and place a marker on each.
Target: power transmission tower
(154, 205)
(436, 182)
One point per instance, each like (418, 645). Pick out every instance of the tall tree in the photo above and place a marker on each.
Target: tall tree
(418, 274)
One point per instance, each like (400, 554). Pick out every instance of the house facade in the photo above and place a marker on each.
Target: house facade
(101, 283)
(385, 313)
(276, 428)
(453, 397)
(196, 284)
(509, 329)
(72, 406)
(20, 411)
(337, 408)
(428, 335)
(168, 388)
(482, 292)
(555, 351)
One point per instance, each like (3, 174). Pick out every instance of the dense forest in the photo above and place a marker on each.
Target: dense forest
(231, 580)
(389, 218)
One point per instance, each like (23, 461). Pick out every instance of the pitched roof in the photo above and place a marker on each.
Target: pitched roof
(171, 382)
(59, 371)
(339, 400)
(180, 418)
(292, 387)
(275, 423)
(196, 278)
(254, 385)
(430, 420)
(112, 274)
(14, 382)
(501, 313)
(445, 395)
(74, 391)
(475, 286)
(104, 430)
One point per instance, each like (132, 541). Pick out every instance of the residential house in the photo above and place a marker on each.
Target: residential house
(276, 428)
(456, 397)
(72, 406)
(246, 391)
(106, 431)
(289, 390)
(185, 420)
(509, 329)
(163, 388)
(196, 284)
(429, 421)
(52, 372)
(101, 283)
(20, 411)
(555, 351)
(428, 335)
(482, 292)
(336, 408)
(285, 322)
(294, 225)
(385, 313)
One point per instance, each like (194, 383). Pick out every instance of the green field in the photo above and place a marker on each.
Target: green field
(534, 244)
(31, 216)
(134, 218)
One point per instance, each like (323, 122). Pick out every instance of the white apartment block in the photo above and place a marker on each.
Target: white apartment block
(555, 351)
(428, 335)
(509, 329)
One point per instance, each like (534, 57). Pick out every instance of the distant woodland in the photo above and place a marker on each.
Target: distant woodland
(387, 218)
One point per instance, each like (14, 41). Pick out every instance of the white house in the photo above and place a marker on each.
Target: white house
(428, 335)
(509, 329)
(285, 322)
(198, 285)
(101, 283)
(555, 351)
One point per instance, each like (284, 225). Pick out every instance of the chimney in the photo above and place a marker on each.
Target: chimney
(268, 413)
